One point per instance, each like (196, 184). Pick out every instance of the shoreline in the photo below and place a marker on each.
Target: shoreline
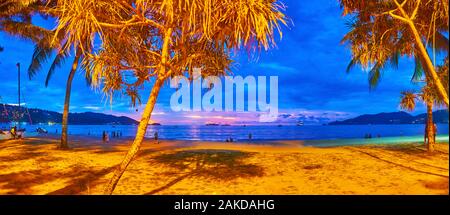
(442, 138)
(312, 134)
(36, 166)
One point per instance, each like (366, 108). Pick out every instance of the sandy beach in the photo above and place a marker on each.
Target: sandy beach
(36, 166)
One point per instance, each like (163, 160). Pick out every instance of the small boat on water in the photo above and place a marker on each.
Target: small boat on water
(300, 123)
(212, 124)
(41, 131)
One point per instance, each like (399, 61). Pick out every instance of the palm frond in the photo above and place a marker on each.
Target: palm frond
(408, 100)
(59, 60)
(418, 70)
(375, 75)
(40, 55)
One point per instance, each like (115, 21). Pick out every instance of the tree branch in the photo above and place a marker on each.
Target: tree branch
(413, 16)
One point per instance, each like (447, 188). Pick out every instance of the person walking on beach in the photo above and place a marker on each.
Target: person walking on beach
(434, 132)
(156, 137)
(104, 136)
(250, 136)
(107, 137)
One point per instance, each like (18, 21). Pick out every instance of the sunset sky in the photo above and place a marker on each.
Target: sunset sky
(310, 62)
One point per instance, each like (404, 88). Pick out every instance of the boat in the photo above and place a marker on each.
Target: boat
(155, 123)
(41, 131)
(300, 123)
(212, 124)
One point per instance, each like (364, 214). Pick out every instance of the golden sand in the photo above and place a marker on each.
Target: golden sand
(36, 166)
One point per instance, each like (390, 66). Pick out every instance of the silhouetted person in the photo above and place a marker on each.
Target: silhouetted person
(156, 137)
(13, 132)
(434, 132)
(104, 136)
(250, 136)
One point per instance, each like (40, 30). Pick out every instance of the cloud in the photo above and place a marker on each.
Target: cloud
(276, 66)
(92, 107)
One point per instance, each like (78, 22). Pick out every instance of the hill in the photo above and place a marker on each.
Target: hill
(44, 116)
(440, 116)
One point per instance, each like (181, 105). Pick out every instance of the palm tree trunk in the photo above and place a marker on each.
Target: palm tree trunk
(145, 116)
(139, 137)
(65, 118)
(430, 126)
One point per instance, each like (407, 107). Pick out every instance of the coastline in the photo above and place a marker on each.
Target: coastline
(35, 166)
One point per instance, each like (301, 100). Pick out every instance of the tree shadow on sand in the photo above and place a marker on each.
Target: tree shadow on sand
(80, 179)
(220, 165)
(26, 153)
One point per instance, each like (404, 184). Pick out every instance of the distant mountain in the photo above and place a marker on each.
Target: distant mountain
(440, 116)
(44, 116)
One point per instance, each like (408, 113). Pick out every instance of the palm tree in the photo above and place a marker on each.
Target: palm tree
(382, 31)
(15, 18)
(166, 38)
(378, 39)
(42, 52)
(429, 96)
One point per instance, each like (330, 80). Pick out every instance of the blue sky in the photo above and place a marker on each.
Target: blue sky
(310, 62)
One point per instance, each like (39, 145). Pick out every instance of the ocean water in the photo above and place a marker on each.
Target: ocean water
(308, 133)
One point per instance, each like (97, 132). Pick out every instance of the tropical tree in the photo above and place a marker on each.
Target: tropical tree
(382, 31)
(15, 19)
(44, 50)
(157, 39)
(429, 96)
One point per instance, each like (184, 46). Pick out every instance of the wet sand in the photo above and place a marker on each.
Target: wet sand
(36, 166)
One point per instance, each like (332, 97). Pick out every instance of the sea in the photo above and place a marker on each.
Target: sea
(311, 134)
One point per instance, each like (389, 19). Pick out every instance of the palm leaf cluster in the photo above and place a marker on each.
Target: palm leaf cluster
(15, 19)
(130, 35)
(378, 40)
(427, 94)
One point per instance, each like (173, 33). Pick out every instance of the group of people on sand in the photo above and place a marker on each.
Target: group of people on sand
(230, 140)
(369, 136)
(114, 134)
